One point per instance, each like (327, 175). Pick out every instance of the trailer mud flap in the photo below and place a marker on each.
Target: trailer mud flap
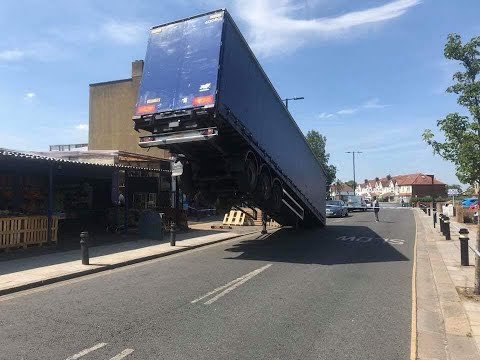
(293, 205)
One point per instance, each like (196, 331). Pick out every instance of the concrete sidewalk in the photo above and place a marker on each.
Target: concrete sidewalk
(447, 324)
(27, 273)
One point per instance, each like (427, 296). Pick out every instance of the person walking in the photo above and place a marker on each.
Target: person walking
(376, 208)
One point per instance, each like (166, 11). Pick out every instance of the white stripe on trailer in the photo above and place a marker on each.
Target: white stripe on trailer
(291, 208)
(301, 216)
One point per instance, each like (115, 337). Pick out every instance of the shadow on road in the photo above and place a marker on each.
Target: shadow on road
(333, 245)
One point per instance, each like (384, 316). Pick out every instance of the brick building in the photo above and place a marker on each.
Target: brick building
(110, 115)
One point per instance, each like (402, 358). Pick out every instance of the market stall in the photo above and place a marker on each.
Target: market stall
(23, 211)
(48, 200)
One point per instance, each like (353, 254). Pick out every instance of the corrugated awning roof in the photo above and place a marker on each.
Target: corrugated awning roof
(30, 156)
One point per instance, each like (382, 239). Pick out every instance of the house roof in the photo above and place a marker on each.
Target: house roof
(416, 179)
(385, 182)
(344, 187)
(409, 179)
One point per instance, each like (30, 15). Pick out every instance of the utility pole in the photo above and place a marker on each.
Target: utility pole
(354, 180)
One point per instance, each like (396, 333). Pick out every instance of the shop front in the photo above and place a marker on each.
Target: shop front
(47, 200)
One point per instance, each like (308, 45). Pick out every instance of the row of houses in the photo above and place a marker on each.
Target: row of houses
(395, 188)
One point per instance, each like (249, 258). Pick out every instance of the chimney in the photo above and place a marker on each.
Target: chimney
(137, 68)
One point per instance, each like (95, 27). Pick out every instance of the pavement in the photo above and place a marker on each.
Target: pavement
(27, 272)
(343, 292)
(448, 324)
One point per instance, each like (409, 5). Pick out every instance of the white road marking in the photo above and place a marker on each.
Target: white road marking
(123, 354)
(234, 286)
(233, 282)
(365, 239)
(86, 351)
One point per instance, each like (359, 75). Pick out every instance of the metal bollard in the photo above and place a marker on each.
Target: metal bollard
(172, 234)
(434, 217)
(264, 223)
(84, 247)
(464, 247)
(446, 228)
(440, 217)
(429, 211)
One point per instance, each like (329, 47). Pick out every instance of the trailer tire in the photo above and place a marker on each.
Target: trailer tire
(265, 184)
(277, 195)
(251, 173)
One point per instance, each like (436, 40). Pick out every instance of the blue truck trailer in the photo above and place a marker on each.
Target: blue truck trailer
(205, 98)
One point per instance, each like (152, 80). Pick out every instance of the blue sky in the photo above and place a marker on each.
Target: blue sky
(372, 72)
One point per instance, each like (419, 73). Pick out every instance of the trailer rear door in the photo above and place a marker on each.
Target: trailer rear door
(181, 65)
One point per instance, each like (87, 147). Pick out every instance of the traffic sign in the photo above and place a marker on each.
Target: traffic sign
(452, 192)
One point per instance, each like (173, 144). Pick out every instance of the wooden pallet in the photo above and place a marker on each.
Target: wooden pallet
(235, 218)
(239, 218)
(24, 231)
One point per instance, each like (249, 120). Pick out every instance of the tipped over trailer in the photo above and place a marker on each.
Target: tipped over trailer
(206, 99)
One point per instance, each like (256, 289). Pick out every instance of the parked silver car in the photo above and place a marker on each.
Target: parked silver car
(336, 208)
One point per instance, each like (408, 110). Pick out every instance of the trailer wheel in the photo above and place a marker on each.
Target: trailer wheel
(277, 195)
(265, 185)
(251, 173)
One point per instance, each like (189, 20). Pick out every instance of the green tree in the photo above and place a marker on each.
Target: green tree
(338, 186)
(317, 143)
(461, 144)
(470, 191)
(350, 183)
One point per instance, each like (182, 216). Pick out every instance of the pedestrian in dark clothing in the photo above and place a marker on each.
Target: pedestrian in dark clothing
(376, 208)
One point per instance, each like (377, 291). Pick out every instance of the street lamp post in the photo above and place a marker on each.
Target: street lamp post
(353, 155)
(294, 98)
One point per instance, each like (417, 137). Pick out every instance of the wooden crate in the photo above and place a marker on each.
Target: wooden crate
(22, 231)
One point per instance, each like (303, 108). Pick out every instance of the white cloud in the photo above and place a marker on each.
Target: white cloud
(325, 115)
(373, 104)
(272, 29)
(44, 51)
(124, 32)
(59, 44)
(347, 111)
(81, 127)
(29, 96)
(11, 55)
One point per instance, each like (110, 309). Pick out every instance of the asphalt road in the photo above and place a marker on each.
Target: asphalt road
(343, 292)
